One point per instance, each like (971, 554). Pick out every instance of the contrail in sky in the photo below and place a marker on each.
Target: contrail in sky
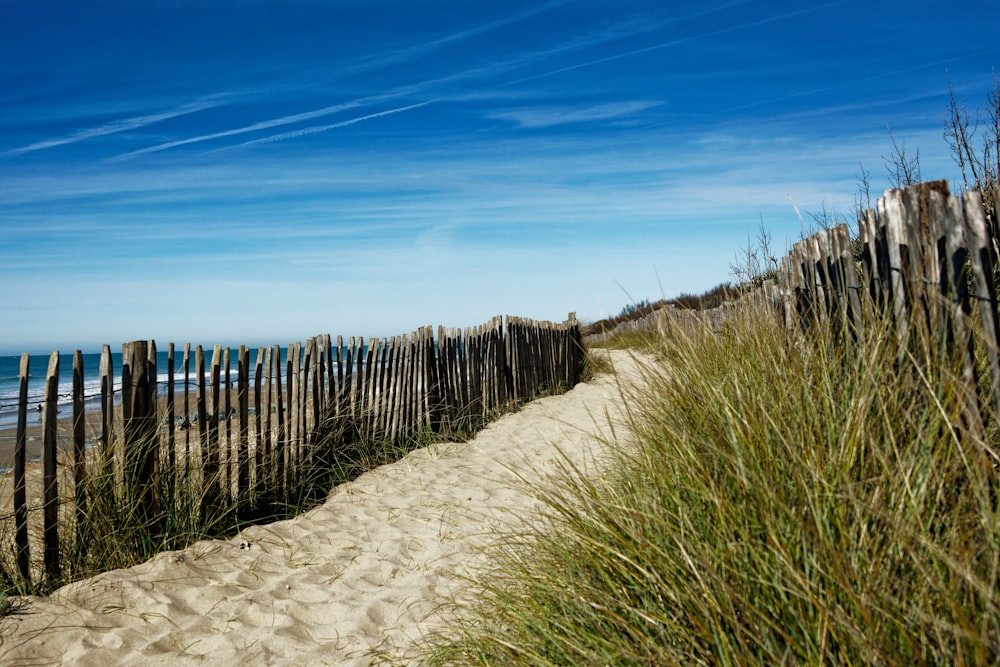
(681, 40)
(263, 125)
(323, 128)
(114, 127)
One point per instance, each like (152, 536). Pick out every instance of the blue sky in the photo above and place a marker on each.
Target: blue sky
(257, 172)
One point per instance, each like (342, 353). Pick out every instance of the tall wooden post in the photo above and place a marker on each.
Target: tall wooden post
(51, 491)
(243, 401)
(79, 448)
(140, 431)
(20, 464)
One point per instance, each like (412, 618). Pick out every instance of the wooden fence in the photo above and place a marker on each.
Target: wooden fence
(923, 257)
(924, 261)
(250, 440)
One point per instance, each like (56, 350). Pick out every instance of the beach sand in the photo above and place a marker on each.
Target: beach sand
(362, 576)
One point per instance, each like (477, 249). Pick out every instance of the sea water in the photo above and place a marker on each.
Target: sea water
(38, 369)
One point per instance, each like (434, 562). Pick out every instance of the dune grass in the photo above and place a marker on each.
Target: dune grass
(780, 501)
(113, 530)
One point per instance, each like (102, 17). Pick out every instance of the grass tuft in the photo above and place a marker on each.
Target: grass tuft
(782, 501)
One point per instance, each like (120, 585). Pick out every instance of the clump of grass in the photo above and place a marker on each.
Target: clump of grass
(641, 340)
(111, 529)
(784, 501)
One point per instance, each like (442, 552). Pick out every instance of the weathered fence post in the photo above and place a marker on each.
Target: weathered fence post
(983, 261)
(211, 464)
(107, 372)
(258, 397)
(277, 469)
(226, 455)
(20, 465)
(79, 449)
(243, 401)
(51, 490)
(170, 476)
(186, 423)
(140, 437)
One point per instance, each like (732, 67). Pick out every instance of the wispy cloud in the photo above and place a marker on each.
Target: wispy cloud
(684, 40)
(426, 46)
(262, 125)
(114, 127)
(563, 115)
(332, 126)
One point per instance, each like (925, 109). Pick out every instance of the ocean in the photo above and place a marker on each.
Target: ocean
(10, 369)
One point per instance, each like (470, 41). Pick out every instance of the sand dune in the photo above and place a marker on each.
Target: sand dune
(359, 577)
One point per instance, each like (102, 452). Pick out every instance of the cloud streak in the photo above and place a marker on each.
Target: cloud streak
(125, 125)
(428, 46)
(683, 40)
(263, 125)
(332, 126)
(552, 116)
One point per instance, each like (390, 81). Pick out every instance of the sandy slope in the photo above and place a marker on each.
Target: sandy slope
(361, 575)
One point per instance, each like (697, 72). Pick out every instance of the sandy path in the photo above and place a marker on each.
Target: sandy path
(357, 577)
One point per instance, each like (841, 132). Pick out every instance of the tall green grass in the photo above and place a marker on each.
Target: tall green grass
(782, 501)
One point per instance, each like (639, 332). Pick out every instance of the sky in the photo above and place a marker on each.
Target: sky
(258, 172)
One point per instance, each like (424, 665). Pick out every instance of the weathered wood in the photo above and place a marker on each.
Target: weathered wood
(211, 462)
(202, 408)
(869, 263)
(291, 443)
(406, 424)
(369, 383)
(460, 377)
(186, 420)
(356, 374)
(819, 280)
(503, 365)
(228, 452)
(852, 285)
(139, 431)
(941, 282)
(891, 213)
(806, 303)
(20, 467)
(923, 266)
(258, 438)
(303, 369)
(153, 463)
(955, 286)
(983, 261)
(307, 384)
(510, 346)
(50, 486)
(330, 387)
(433, 396)
(79, 441)
(300, 413)
(349, 388)
(319, 384)
(106, 372)
(378, 389)
(266, 444)
(278, 452)
(339, 394)
(243, 399)
(443, 377)
(318, 379)
(170, 472)
(397, 410)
